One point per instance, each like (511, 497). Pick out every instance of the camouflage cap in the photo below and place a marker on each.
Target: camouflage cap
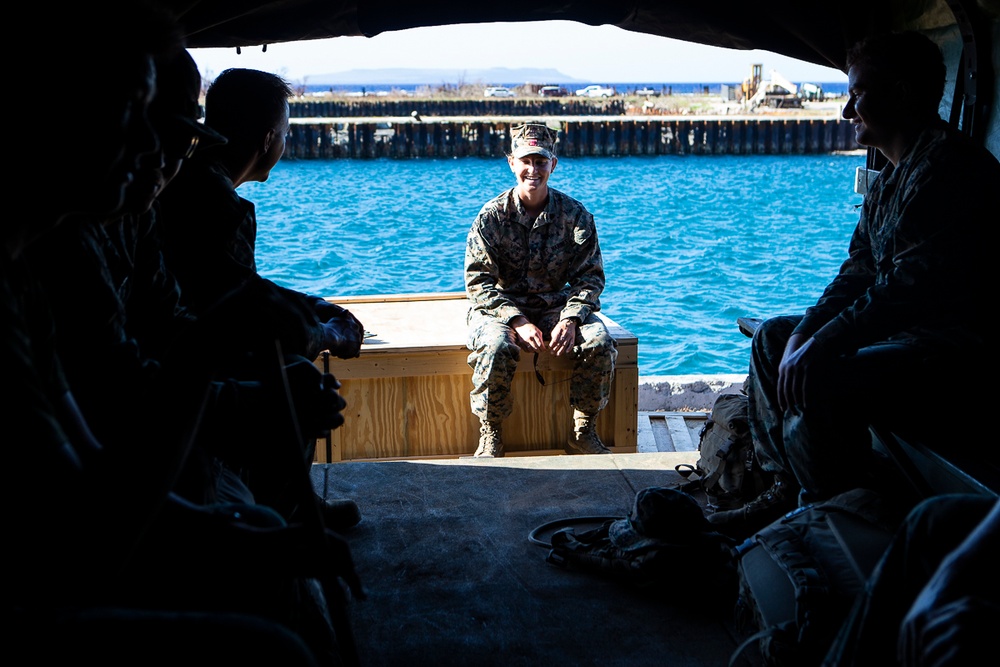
(532, 138)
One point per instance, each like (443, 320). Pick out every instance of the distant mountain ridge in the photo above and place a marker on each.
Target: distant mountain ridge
(413, 76)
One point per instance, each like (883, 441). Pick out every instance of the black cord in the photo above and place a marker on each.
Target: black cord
(560, 523)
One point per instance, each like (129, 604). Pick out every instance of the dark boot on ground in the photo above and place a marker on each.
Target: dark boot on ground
(584, 439)
(765, 509)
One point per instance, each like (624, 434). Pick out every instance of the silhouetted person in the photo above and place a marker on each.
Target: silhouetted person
(905, 311)
(88, 514)
(209, 235)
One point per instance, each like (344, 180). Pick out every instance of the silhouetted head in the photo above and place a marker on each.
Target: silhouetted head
(90, 132)
(176, 109)
(175, 114)
(250, 108)
(906, 64)
(894, 84)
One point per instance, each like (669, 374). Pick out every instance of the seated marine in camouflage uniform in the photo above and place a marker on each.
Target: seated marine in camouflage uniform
(534, 276)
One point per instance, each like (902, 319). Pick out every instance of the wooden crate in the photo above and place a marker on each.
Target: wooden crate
(408, 393)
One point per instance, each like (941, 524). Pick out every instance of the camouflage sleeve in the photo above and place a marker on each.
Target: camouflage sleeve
(482, 273)
(587, 280)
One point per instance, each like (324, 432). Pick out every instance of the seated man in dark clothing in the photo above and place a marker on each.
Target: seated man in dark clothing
(905, 310)
(127, 304)
(85, 511)
(209, 236)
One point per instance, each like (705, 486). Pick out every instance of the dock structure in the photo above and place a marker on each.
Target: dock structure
(579, 136)
(367, 107)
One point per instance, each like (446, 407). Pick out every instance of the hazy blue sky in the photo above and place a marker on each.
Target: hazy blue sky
(600, 54)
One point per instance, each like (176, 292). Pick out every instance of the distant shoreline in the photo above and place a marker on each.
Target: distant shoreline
(830, 88)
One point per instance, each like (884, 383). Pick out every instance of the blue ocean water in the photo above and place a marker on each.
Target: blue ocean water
(690, 243)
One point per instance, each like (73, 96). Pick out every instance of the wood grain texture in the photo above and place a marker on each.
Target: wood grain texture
(408, 392)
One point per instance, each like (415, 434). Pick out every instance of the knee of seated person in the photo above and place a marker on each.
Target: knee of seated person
(600, 342)
(499, 346)
(771, 327)
(774, 332)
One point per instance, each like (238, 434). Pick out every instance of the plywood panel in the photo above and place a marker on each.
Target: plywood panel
(372, 428)
(408, 392)
(438, 418)
(542, 418)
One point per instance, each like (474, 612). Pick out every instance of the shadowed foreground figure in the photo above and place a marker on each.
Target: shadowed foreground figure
(209, 237)
(934, 598)
(904, 312)
(96, 527)
(116, 270)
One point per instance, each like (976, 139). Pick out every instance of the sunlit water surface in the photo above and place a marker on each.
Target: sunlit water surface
(690, 243)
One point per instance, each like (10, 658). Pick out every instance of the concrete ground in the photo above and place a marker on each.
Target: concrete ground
(452, 577)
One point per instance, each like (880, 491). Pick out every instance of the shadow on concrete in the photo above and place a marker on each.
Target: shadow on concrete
(443, 552)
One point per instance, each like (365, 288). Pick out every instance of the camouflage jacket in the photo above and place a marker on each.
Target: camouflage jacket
(917, 266)
(512, 265)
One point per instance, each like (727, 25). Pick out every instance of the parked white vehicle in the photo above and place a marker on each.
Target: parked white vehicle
(498, 91)
(595, 91)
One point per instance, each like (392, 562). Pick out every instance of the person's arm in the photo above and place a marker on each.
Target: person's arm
(206, 232)
(960, 605)
(929, 237)
(587, 279)
(855, 275)
(482, 273)
(155, 313)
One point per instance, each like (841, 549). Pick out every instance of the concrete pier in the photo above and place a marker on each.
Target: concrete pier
(685, 393)
(579, 136)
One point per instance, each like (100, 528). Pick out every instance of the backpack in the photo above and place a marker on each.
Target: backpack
(726, 470)
(665, 534)
(799, 577)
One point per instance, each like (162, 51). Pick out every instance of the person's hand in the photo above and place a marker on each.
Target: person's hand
(529, 336)
(801, 352)
(343, 336)
(563, 337)
(327, 311)
(317, 402)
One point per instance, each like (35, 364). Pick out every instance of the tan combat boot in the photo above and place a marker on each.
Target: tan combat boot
(490, 442)
(584, 439)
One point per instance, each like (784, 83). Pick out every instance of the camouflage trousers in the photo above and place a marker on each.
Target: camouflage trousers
(827, 447)
(495, 354)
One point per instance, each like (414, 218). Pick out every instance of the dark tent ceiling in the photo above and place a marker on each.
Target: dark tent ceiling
(817, 32)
